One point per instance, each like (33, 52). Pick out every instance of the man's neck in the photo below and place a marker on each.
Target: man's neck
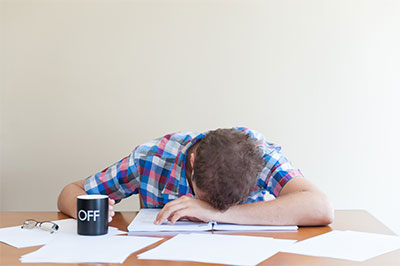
(188, 165)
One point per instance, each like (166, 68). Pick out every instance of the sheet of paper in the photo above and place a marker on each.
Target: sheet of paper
(211, 248)
(348, 245)
(21, 238)
(145, 218)
(88, 249)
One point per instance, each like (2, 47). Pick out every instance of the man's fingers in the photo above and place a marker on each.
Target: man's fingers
(169, 209)
(177, 215)
(111, 212)
(165, 213)
(185, 206)
(111, 202)
(166, 207)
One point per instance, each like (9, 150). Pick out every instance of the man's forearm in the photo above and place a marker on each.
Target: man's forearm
(67, 199)
(299, 203)
(298, 208)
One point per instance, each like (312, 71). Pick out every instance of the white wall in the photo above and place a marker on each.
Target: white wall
(84, 82)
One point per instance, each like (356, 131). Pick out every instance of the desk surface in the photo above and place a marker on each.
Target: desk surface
(357, 220)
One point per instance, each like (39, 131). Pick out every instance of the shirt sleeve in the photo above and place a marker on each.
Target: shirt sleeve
(278, 170)
(119, 181)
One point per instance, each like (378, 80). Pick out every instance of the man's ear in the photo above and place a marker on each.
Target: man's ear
(192, 157)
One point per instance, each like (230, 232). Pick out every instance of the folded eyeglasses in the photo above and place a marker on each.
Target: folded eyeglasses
(46, 225)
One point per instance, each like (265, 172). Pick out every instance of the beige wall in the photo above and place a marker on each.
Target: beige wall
(84, 82)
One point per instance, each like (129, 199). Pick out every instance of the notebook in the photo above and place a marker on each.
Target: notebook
(143, 222)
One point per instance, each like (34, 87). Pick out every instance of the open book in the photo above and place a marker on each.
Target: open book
(143, 222)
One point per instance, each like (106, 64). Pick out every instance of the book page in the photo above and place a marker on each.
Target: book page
(145, 218)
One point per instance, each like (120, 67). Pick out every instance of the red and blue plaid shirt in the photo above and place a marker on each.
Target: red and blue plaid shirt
(156, 170)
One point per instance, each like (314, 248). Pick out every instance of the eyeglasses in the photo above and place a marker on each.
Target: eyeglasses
(46, 226)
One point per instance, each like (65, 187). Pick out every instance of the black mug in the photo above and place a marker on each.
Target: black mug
(92, 215)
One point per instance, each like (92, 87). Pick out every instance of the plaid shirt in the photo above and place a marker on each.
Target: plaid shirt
(156, 170)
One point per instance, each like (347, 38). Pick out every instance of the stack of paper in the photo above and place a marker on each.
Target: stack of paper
(349, 245)
(88, 249)
(211, 248)
(21, 238)
(144, 221)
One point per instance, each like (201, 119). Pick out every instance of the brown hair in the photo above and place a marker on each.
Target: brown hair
(226, 167)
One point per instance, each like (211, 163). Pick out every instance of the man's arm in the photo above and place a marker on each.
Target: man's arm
(67, 199)
(299, 203)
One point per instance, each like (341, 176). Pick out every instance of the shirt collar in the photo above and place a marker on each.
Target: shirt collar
(177, 184)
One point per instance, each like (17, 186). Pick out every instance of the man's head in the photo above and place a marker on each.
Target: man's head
(225, 168)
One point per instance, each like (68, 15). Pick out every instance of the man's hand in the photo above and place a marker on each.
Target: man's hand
(111, 212)
(186, 207)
